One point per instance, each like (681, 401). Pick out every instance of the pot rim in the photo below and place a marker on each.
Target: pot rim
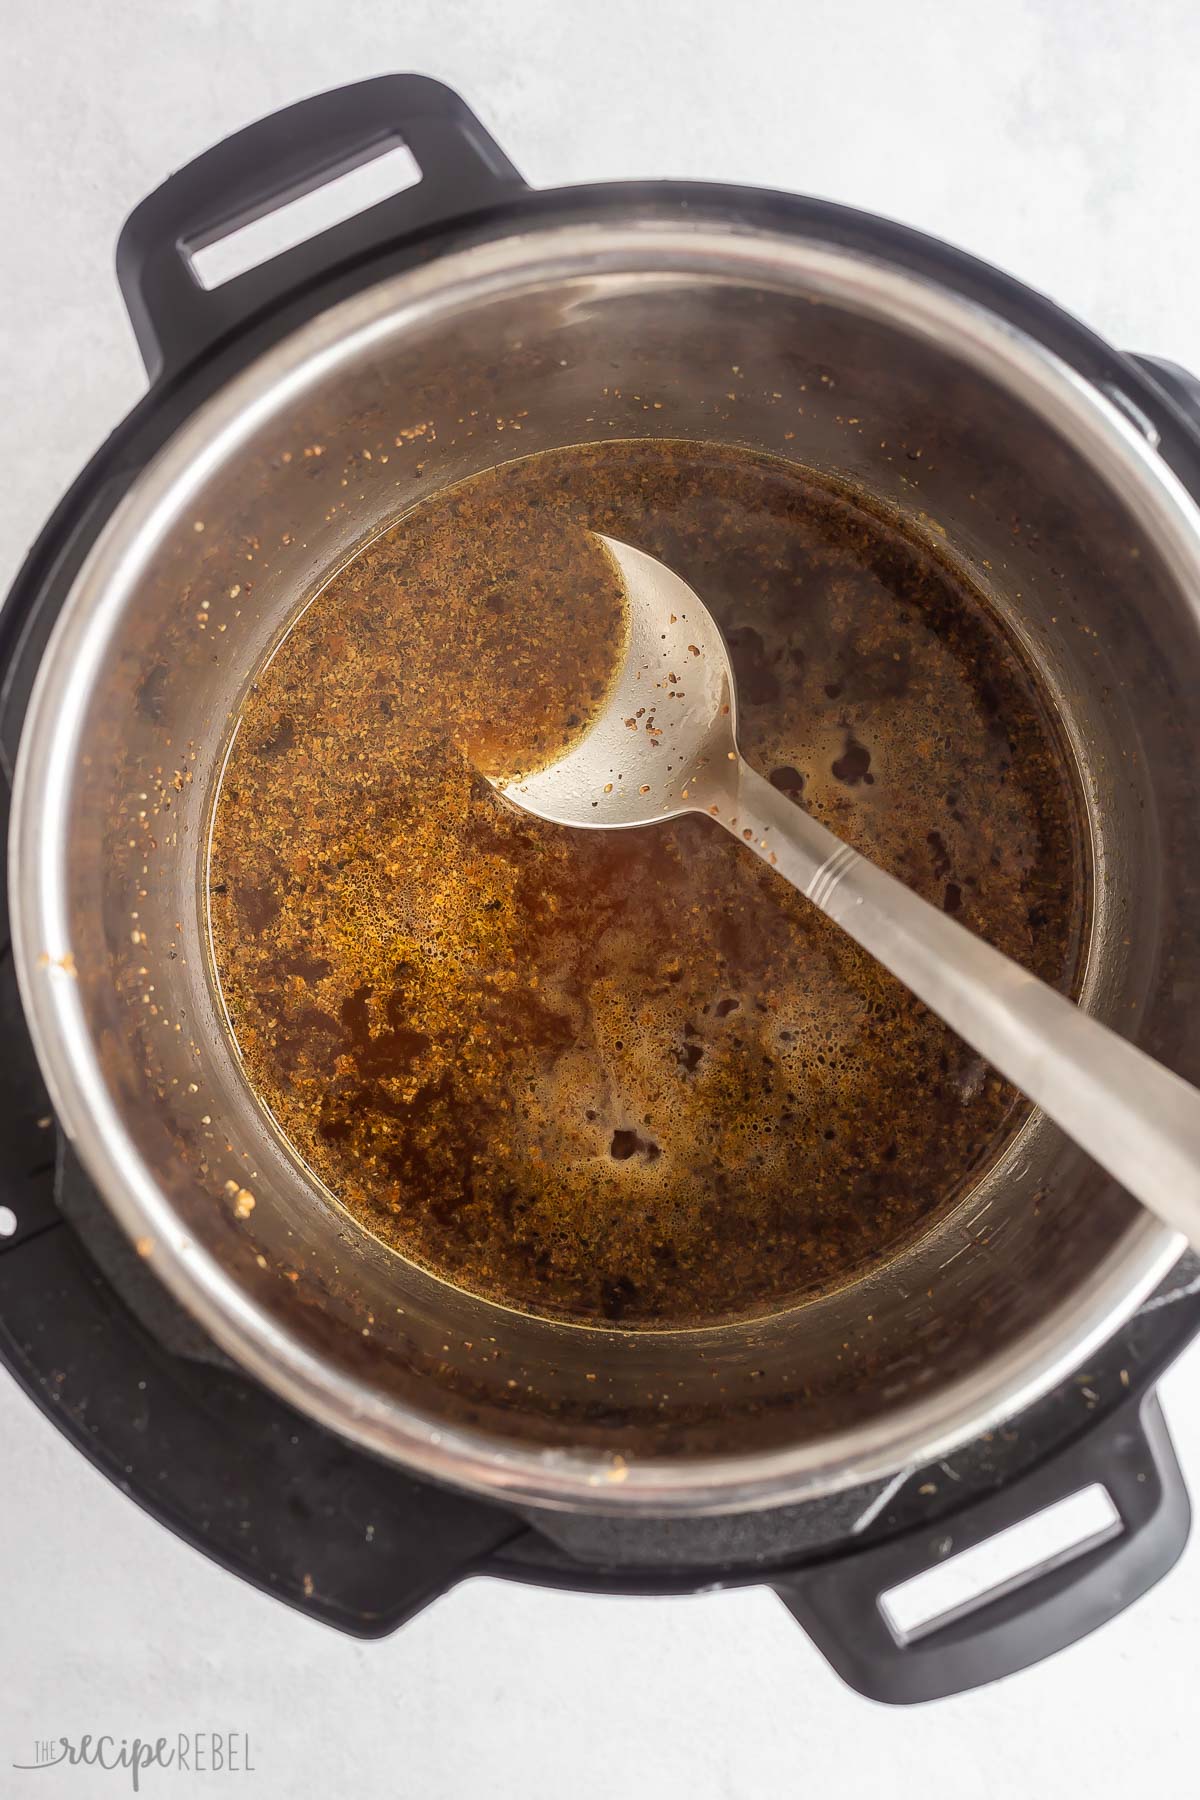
(911, 1434)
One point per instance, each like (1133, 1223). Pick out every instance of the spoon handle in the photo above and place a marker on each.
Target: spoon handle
(1137, 1120)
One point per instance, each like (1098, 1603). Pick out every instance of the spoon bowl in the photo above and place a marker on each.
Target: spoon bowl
(668, 721)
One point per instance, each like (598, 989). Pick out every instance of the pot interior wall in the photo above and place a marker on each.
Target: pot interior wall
(248, 531)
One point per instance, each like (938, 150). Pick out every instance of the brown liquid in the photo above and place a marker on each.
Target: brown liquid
(630, 1075)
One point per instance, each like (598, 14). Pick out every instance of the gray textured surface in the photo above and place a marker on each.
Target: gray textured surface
(1058, 140)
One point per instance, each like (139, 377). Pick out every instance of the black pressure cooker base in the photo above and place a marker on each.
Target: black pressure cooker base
(135, 1383)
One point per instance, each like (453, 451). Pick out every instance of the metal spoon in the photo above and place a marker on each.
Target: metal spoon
(665, 744)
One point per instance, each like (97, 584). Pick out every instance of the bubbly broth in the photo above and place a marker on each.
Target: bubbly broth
(630, 1075)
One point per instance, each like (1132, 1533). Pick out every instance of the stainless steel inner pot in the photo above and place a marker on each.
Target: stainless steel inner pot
(564, 333)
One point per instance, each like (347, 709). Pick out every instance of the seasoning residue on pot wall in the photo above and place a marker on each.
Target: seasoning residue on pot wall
(629, 1076)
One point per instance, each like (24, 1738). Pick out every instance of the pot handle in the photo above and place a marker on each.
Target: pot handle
(278, 159)
(1178, 383)
(1028, 1617)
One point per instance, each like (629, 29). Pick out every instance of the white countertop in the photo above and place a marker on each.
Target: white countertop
(1058, 140)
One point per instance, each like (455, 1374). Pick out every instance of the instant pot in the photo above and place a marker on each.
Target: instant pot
(316, 1413)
